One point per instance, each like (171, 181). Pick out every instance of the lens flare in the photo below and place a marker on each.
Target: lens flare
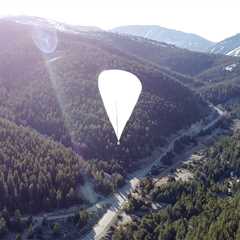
(45, 38)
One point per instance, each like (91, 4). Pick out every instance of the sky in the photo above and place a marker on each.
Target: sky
(212, 19)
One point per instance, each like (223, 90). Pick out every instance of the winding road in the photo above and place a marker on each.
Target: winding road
(118, 200)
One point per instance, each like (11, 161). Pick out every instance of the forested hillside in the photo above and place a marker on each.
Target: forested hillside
(205, 208)
(57, 94)
(165, 55)
(180, 39)
(199, 71)
(221, 82)
(36, 173)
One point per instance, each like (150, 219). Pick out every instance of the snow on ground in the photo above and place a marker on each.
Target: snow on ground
(161, 181)
(217, 49)
(229, 68)
(235, 52)
(123, 219)
(183, 175)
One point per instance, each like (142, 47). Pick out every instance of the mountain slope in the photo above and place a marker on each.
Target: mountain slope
(221, 82)
(164, 55)
(213, 76)
(229, 46)
(180, 39)
(38, 21)
(57, 94)
(36, 173)
(204, 206)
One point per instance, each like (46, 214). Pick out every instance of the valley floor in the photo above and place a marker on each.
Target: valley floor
(105, 212)
(119, 199)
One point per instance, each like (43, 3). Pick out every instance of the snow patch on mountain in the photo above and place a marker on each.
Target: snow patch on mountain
(229, 46)
(230, 68)
(52, 24)
(235, 52)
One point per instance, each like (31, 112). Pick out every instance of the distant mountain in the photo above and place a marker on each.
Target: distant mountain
(214, 76)
(180, 39)
(229, 46)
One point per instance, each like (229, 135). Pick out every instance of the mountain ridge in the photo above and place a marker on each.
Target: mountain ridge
(178, 38)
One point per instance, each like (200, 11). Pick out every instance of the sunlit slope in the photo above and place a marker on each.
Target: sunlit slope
(180, 39)
(57, 94)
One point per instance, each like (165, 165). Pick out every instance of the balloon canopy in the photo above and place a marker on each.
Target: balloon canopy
(120, 91)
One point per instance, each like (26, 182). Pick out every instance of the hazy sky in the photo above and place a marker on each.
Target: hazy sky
(212, 19)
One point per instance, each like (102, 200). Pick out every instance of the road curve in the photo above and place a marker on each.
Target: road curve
(119, 198)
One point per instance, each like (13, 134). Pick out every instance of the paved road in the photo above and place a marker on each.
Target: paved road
(119, 199)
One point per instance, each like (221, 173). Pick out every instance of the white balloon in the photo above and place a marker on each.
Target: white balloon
(120, 91)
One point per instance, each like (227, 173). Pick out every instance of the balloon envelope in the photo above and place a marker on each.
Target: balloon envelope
(120, 91)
